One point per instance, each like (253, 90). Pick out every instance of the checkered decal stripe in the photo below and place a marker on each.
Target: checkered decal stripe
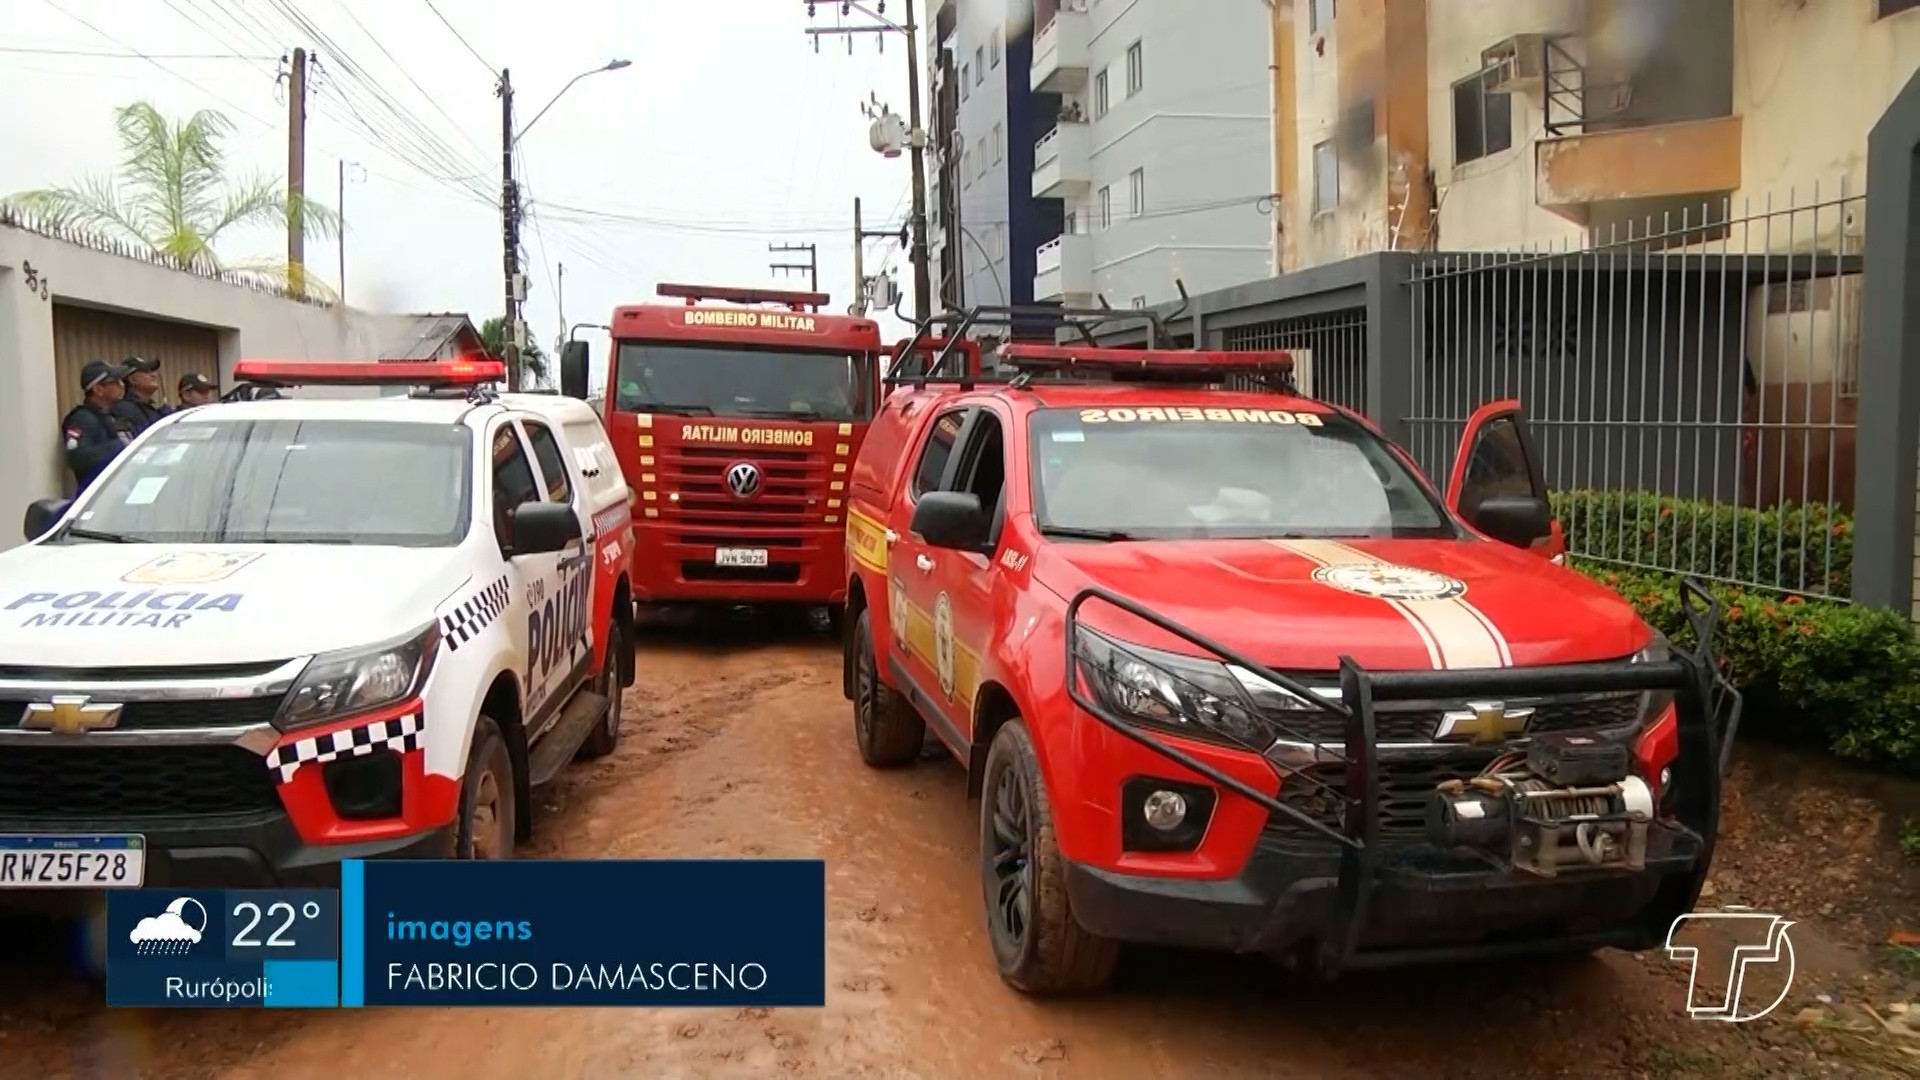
(474, 614)
(400, 734)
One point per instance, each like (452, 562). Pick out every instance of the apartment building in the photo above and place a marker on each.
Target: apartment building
(1159, 150)
(983, 218)
(1466, 125)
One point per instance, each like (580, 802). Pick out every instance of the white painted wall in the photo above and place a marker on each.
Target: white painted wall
(250, 324)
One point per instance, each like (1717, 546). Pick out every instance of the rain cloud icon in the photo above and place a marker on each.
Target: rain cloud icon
(168, 933)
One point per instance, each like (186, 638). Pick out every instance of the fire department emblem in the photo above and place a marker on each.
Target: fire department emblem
(943, 643)
(1385, 581)
(743, 479)
(189, 568)
(897, 613)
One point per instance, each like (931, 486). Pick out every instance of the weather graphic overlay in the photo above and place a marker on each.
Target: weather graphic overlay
(170, 948)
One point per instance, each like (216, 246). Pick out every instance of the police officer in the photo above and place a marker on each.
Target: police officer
(197, 389)
(142, 404)
(96, 430)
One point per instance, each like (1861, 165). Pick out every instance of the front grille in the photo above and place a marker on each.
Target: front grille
(788, 494)
(1402, 805)
(1418, 721)
(149, 715)
(735, 540)
(133, 781)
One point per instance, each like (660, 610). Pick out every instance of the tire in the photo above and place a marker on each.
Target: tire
(485, 827)
(606, 736)
(885, 725)
(1038, 945)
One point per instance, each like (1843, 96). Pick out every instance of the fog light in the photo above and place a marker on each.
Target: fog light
(1165, 810)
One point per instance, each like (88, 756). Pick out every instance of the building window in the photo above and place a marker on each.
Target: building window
(1320, 16)
(1100, 94)
(965, 82)
(1136, 69)
(997, 32)
(999, 242)
(980, 154)
(979, 65)
(1326, 178)
(1106, 208)
(1482, 121)
(1895, 7)
(1137, 192)
(996, 144)
(966, 166)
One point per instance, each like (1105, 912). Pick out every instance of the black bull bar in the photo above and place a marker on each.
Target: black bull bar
(1707, 706)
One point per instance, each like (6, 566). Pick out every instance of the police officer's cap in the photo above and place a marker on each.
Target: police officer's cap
(140, 363)
(99, 371)
(193, 380)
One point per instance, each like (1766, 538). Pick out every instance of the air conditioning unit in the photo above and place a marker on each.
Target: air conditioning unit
(1515, 64)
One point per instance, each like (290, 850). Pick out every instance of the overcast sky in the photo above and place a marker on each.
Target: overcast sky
(727, 134)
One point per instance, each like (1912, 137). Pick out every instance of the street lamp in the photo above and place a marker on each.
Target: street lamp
(611, 65)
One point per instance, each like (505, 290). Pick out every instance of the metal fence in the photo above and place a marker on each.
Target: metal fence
(1691, 382)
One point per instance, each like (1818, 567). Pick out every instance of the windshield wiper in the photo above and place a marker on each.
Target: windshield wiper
(663, 407)
(1068, 532)
(102, 537)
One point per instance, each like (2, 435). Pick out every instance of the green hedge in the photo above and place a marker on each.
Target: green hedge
(1798, 548)
(1843, 676)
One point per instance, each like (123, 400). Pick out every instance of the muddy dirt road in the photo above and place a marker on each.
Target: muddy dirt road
(740, 745)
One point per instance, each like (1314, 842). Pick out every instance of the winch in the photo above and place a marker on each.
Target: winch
(1568, 801)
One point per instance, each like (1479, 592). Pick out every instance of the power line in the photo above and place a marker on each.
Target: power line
(451, 29)
(156, 63)
(101, 54)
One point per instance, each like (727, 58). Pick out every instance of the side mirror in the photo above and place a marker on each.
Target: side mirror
(951, 519)
(540, 528)
(1519, 520)
(573, 369)
(42, 515)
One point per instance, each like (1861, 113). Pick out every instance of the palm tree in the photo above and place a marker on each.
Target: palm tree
(172, 196)
(533, 362)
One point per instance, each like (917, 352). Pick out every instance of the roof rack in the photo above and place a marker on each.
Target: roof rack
(1183, 366)
(952, 326)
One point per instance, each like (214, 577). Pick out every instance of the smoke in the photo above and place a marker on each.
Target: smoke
(374, 295)
(1626, 37)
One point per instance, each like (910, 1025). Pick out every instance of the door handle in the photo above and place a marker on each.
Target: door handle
(924, 563)
(892, 537)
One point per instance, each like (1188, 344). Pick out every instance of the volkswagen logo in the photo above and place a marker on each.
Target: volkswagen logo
(743, 479)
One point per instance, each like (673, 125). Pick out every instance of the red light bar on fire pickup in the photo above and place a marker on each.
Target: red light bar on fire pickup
(1118, 363)
(374, 373)
(796, 301)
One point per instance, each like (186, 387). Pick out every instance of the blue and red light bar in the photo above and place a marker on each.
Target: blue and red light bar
(364, 373)
(726, 294)
(1119, 362)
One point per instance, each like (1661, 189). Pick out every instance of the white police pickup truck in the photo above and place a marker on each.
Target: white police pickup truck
(276, 634)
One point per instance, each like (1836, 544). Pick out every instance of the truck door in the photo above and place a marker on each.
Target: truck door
(912, 589)
(555, 587)
(1498, 459)
(963, 602)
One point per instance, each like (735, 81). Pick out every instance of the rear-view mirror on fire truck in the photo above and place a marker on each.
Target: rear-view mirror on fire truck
(573, 370)
(542, 528)
(1519, 520)
(951, 519)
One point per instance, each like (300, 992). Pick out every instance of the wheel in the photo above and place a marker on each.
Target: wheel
(887, 728)
(485, 827)
(1038, 944)
(607, 736)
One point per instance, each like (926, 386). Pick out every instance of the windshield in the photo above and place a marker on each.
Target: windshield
(1182, 472)
(286, 482)
(738, 380)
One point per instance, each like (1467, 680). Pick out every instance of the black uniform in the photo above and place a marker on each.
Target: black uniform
(93, 439)
(140, 413)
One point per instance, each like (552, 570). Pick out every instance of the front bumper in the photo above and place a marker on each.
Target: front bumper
(1354, 897)
(804, 566)
(1425, 907)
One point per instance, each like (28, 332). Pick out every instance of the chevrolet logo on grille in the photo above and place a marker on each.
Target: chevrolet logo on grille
(1483, 722)
(70, 714)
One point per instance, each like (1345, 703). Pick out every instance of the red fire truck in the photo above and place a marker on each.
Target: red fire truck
(736, 415)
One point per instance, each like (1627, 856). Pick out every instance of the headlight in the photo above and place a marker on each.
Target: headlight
(358, 680)
(1201, 699)
(1654, 702)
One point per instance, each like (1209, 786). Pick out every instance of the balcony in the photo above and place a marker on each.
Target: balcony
(1060, 53)
(1062, 168)
(1063, 269)
(1585, 176)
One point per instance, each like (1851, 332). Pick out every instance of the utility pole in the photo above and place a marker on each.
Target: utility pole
(297, 174)
(859, 263)
(560, 292)
(510, 229)
(340, 208)
(811, 266)
(916, 137)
